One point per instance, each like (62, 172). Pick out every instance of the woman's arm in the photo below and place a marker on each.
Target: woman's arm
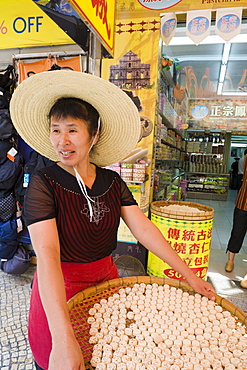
(150, 236)
(66, 352)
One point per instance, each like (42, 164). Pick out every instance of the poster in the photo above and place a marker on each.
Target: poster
(23, 24)
(134, 70)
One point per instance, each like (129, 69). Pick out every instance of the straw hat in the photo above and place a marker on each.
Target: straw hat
(34, 97)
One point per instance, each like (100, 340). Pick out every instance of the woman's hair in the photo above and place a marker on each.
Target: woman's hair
(76, 108)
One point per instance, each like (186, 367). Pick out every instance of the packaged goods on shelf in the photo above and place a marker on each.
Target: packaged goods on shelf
(162, 183)
(127, 171)
(205, 168)
(139, 171)
(133, 172)
(208, 186)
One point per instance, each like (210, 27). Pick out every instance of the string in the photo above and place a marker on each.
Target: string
(84, 192)
(81, 182)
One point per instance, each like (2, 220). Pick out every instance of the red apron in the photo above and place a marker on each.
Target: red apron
(77, 276)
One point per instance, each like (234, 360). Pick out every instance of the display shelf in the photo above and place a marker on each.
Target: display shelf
(167, 77)
(209, 196)
(207, 185)
(171, 145)
(141, 183)
(169, 120)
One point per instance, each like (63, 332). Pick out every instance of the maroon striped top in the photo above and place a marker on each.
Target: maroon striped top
(55, 193)
(241, 201)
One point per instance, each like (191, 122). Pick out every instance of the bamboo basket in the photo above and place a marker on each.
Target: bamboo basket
(79, 305)
(208, 213)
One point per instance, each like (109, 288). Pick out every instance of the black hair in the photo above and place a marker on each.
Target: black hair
(76, 108)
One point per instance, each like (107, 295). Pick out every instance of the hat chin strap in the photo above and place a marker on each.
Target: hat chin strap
(81, 182)
(84, 192)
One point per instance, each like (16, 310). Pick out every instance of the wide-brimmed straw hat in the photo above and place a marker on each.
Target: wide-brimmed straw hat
(34, 97)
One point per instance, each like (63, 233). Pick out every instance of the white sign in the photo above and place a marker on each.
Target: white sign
(198, 25)
(168, 25)
(228, 23)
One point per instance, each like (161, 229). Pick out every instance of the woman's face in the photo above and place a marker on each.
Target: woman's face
(71, 140)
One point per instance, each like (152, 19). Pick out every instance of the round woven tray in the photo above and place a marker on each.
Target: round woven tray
(80, 304)
(208, 212)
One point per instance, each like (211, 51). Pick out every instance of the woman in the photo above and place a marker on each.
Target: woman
(73, 207)
(239, 226)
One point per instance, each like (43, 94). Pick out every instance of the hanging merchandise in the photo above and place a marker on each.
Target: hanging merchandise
(168, 25)
(35, 162)
(27, 69)
(228, 23)
(198, 25)
(7, 79)
(5, 146)
(7, 207)
(10, 171)
(7, 130)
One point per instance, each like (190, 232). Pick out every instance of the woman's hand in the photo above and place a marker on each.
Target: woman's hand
(66, 355)
(202, 287)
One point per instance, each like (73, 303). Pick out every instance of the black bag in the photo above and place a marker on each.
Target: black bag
(4, 98)
(7, 207)
(8, 250)
(9, 174)
(8, 78)
(7, 129)
(36, 162)
(5, 146)
(19, 264)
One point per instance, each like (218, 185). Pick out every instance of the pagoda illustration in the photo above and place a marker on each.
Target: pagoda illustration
(130, 73)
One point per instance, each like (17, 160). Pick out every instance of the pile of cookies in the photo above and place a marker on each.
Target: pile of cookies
(160, 327)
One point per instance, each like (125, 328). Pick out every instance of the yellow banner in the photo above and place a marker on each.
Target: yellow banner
(101, 16)
(24, 24)
(190, 240)
(147, 8)
(134, 70)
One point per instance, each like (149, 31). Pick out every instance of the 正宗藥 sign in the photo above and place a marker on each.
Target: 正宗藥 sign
(228, 23)
(221, 114)
(168, 25)
(198, 25)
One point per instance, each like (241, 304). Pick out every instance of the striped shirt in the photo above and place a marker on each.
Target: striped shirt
(241, 201)
(55, 193)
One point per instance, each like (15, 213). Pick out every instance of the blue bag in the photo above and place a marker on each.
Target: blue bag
(8, 250)
(8, 230)
(19, 264)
